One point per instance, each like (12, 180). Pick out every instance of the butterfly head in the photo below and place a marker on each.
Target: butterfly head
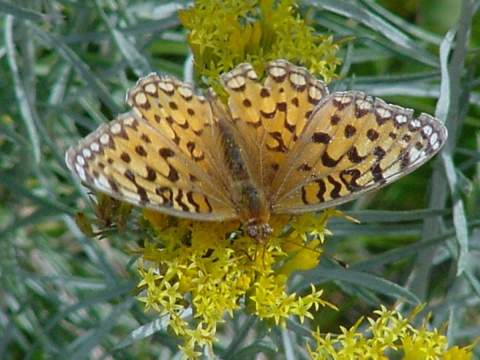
(258, 232)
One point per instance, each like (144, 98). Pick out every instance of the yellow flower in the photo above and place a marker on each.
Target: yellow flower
(456, 353)
(212, 269)
(389, 334)
(226, 33)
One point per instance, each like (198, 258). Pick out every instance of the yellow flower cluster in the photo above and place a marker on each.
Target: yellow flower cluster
(207, 269)
(223, 34)
(390, 335)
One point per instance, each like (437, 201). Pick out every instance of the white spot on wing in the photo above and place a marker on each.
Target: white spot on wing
(384, 112)
(116, 128)
(129, 121)
(415, 123)
(151, 88)
(80, 160)
(364, 105)
(95, 147)
(401, 119)
(277, 71)
(102, 183)
(104, 139)
(427, 129)
(416, 155)
(86, 152)
(80, 172)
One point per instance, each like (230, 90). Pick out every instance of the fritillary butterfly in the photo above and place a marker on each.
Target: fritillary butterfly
(280, 146)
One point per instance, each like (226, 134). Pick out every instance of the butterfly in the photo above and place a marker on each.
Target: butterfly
(281, 145)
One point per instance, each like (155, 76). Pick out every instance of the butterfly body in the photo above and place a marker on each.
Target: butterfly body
(248, 198)
(281, 146)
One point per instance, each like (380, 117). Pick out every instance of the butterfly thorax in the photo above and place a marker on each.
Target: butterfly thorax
(249, 199)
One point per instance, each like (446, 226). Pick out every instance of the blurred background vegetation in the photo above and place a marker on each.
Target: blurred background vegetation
(65, 68)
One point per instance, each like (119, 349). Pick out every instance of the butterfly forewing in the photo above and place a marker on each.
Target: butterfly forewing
(352, 145)
(159, 155)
